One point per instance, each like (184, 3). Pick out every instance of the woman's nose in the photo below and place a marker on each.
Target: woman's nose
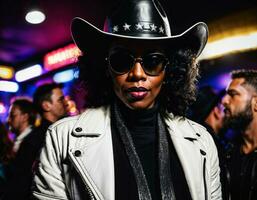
(137, 72)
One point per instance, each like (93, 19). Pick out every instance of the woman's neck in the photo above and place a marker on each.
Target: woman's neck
(139, 118)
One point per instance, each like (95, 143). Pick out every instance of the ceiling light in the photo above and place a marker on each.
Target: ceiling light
(64, 76)
(35, 17)
(9, 86)
(229, 45)
(28, 73)
(6, 72)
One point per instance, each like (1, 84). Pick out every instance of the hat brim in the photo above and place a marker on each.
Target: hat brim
(89, 38)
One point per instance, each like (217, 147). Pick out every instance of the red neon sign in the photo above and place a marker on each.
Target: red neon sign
(61, 57)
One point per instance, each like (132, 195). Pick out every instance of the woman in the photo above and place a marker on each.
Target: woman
(132, 142)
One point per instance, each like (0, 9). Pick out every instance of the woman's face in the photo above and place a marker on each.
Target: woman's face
(136, 88)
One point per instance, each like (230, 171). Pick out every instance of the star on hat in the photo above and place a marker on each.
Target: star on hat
(139, 26)
(126, 27)
(115, 29)
(153, 27)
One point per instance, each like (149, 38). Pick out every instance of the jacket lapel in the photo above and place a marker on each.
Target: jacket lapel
(95, 160)
(184, 138)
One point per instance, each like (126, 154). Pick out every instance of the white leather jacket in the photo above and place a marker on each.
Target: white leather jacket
(78, 156)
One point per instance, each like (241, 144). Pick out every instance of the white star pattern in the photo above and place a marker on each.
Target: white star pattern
(153, 27)
(115, 29)
(146, 26)
(161, 30)
(139, 26)
(126, 27)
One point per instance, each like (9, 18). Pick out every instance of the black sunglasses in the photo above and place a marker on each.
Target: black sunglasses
(121, 62)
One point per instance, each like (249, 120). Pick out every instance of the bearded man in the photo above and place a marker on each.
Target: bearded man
(240, 104)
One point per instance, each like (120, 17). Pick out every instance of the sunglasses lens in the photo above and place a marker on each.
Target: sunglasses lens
(154, 63)
(120, 62)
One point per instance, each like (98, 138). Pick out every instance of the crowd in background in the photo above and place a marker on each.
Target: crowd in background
(231, 118)
(233, 110)
(28, 120)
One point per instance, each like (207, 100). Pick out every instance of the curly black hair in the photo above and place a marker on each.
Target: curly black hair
(177, 93)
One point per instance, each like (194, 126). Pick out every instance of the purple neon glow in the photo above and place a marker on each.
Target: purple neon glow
(2, 108)
(44, 81)
(223, 80)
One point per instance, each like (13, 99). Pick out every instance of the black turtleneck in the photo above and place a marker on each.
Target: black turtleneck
(142, 127)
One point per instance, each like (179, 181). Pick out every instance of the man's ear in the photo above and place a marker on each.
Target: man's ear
(46, 105)
(217, 112)
(26, 116)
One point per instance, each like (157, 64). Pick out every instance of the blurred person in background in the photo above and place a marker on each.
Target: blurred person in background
(133, 141)
(49, 101)
(240, 104)
(51, 104)
(6, 155)
(208, 111)
(21, 121)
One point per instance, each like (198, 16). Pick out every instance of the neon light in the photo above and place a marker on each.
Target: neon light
(76, 74)
(6, 72)
(28, 73)
(64, 76)
(8, 86)
(229, 45)
(2, 108)
(61, 57)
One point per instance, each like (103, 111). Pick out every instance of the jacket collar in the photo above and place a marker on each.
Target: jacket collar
(95, 126)
(181, 127)
(178, 126)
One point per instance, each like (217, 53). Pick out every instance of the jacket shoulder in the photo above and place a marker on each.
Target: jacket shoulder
(196, 125)
(66, 120)
(204, 137)
(84, 119)
(187, 127)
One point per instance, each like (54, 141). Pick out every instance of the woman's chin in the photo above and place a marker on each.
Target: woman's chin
(139, 105)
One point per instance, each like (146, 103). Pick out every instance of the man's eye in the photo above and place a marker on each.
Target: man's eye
(232, 94)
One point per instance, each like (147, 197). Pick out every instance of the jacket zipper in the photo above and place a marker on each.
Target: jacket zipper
(204, 178)
(204, 173)
(90, 193)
